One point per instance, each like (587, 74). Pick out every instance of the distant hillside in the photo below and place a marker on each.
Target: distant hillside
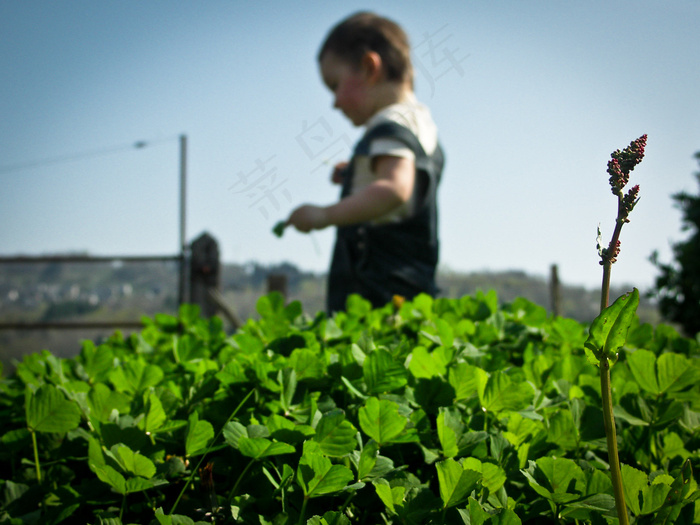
(51, 292)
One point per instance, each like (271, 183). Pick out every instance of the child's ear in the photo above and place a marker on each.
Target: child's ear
(372, 64)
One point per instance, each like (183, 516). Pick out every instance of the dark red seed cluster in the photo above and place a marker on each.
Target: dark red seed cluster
(624, 161)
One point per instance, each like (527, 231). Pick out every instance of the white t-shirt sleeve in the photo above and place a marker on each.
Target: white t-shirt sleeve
(390, 147)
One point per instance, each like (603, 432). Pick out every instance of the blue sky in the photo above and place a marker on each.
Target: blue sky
(530, 98)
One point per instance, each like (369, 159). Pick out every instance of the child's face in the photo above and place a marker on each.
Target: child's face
(351, 87)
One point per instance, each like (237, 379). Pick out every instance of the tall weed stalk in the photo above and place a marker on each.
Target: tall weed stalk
(619, 168)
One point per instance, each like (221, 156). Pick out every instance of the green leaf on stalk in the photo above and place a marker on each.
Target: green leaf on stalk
(199, 435)
(380, 420)
(559, 480)
(456, 481)
(48, 410)
(382, 373)
(502, 393)
(172, 519)
(135, 376)
(110, 476)
(317, 476)
(257, 448)
(641, 497)
(474, 514)
(392, 497)
(329, 518)
(467, 380)
(424, 365)
(608, 331)
(155, 416)
(102, 401)
(668, 373)
(368, 459)
(335, 434)
(133, 462)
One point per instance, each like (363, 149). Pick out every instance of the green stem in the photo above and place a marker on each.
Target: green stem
(605, 385)
(36, 456)
(196, 469)
(238, 481)
(121, 509)
(303, 511)
(610, 432)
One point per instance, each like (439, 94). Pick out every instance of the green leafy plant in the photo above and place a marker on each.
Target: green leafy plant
(426, 411)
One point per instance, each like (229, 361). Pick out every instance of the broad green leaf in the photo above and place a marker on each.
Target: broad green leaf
(474, 514)
(172, 519)
(199, 434)
(449, 429)
(135, 376)
(329, 518)
(642, 364)
(666, 374)
(642, 497)
(257, 448)
(287, 377)
(560, 480)
(501, 393)
(233, 431)
(423, 365)
(467, 380)
(307, 364)
(102, 401)
(316, 474)
(368, 459)
(456, 481)
(608, 331)
(155, 416)
(392, 497)
(96, 361)
(382, 373)
(110, 476)
(380, 420)
(676, 372)
(48, 410)
(133, 462)
(335, 434)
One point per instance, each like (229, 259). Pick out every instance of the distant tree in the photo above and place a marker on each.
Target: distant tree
(678, 286)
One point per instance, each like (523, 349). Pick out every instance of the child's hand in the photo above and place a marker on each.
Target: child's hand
(308, 217)
(338, 173)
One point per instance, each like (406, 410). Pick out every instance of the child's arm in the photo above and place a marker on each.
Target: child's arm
(393, 187)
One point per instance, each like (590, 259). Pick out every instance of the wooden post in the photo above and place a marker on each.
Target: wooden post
(277, 282)
(555, 291)
(205, 270)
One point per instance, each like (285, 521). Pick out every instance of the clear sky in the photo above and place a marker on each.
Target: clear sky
(531, 97)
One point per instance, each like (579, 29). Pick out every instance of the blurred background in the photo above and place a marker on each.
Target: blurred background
(530, 99)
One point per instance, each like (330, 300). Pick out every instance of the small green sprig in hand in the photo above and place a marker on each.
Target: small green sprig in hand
(608, 332)
(279, 228)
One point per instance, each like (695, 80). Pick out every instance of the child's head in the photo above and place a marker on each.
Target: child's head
(365, 32)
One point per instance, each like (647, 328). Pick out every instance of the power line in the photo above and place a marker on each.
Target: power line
(84, 155)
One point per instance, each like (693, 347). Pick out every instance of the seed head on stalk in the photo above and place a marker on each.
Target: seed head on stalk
(619, 168)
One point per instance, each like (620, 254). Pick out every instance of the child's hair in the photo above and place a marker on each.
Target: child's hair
(364, 32)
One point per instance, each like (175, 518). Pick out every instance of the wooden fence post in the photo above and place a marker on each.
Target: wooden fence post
(555, 291)
(277, 282)
(205, 271)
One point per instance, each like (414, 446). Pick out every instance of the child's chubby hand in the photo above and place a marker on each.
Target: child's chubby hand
(309, 217)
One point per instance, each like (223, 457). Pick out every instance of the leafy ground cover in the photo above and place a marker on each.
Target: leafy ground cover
(456, 411)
